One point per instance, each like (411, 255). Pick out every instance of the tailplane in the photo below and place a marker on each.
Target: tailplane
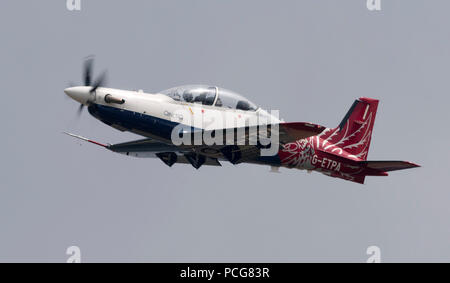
(373, 168)
(351, 141)
(386, 166)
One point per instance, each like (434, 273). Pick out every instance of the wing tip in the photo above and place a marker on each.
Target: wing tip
(86, 139)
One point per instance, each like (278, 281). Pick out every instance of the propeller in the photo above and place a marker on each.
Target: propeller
(80, 110)
(99, 82)
(87, 78)
(88, 66)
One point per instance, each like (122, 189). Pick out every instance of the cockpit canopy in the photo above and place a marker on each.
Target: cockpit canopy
(210, 95)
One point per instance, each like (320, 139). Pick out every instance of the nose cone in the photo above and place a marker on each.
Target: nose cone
(79, 93)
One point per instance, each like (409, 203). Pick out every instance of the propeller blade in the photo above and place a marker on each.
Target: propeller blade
(101, 81)
(87, 76)
(80, 110)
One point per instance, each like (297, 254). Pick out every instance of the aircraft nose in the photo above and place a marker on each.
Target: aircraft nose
(78, 93)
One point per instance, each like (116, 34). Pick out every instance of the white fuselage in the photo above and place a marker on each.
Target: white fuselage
(163, 107)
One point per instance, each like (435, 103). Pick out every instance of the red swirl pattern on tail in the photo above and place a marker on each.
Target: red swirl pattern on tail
(352, 137)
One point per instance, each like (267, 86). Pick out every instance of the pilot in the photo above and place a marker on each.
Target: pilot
(187, 96)
(243, 105)
(200, 98)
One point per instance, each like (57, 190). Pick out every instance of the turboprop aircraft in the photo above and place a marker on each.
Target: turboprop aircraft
(203, 125)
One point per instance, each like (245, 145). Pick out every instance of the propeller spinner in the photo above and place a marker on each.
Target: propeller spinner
(82, 94)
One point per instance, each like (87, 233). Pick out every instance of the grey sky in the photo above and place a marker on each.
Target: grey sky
(309, 59)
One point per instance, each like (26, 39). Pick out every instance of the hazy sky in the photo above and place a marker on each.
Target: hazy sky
(308, 59)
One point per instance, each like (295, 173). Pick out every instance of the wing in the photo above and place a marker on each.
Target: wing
(197, 155)
(246, 146)
(286, 132)
(169, 154)
(149, 148)
(290, 132)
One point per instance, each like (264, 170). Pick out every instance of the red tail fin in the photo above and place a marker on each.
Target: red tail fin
(354, 133)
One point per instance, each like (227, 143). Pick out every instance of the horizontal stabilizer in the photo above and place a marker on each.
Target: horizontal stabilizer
(387, 166)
